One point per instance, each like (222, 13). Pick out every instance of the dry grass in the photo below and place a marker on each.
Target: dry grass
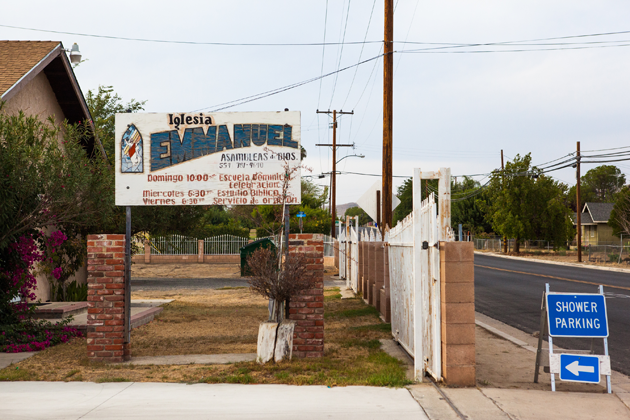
(226, 321)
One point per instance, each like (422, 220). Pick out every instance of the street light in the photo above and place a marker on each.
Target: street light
(347, 156)
(75, 54)
(333, 212)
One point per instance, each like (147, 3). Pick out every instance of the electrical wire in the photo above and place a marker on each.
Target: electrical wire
(332, 96)
(360, 55)
(272, 92)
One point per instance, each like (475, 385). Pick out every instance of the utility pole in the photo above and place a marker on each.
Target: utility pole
(333, 207)
(388, 114)
(577, 205)
(503, 186)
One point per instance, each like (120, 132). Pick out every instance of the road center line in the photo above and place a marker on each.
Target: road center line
(552, 277)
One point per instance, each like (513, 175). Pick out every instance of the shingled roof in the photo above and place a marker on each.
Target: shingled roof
(21, 61)
(19, 58)
(600, 212)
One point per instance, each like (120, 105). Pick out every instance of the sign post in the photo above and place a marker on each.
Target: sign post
(576, 315)
(301, 215)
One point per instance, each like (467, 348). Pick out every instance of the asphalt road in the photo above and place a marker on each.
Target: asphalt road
(147, 284)
(511, 291)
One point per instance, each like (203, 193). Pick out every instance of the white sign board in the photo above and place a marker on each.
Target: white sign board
(232, 158)
(368, 200)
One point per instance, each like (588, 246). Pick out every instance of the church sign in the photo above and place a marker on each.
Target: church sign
(207, 158)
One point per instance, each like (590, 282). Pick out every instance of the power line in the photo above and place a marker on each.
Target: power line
(332, 96)
(360, 54)
(272, 92)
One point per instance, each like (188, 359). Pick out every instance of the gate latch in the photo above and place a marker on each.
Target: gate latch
(425, 245)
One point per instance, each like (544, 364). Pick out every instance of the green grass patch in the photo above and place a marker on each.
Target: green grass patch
(111, 379)
(356, 342)
(14, 373)
(332, 297)
(71, 373)
(353, 313)
(374, 327)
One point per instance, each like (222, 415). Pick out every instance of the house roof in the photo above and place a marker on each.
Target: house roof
(21, 61)
(600, 212)
(585, 220)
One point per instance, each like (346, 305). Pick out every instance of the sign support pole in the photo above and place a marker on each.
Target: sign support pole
(608, 385)
(541, 333)
(550, 339)
(128, 275)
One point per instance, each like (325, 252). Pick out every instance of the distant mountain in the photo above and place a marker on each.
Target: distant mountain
(341, 208)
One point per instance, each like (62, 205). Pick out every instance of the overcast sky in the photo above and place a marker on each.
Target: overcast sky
(451, 109)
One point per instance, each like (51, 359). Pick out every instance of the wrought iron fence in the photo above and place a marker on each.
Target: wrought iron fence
(224, 245)
(174, 245)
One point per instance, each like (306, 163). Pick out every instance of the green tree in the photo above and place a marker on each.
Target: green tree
(104, 104)
(405, 195)
(47, 179)
(364, 218)
(620, 214)
(598, 185)
(523, 203)
(467, 206)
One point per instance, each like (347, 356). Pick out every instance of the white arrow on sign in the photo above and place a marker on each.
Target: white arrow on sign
(575, 368)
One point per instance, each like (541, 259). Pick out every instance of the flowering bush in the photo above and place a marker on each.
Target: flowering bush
(19, 281)
(35, 335)
(63, 256)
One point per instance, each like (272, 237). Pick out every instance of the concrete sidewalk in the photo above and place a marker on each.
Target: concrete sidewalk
(137, 400)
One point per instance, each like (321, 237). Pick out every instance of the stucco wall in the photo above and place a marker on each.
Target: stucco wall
(37, 98)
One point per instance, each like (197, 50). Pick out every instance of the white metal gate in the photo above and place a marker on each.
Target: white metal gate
(342, 251)
(354, 253)
(414, 265)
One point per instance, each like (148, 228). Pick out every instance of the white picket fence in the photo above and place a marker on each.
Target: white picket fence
(414, 275)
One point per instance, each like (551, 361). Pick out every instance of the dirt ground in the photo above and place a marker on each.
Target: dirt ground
(226, 321)
(196, 271)
(186, 271)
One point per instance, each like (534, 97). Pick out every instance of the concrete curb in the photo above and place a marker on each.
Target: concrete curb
(145, 317)
(593, 267)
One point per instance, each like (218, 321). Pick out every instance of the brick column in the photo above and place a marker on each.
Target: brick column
(106, 298)
(200, 250)
(457, 295)
(147, 252)
(307, 309)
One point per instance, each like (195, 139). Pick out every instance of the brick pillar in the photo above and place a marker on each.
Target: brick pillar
(307, 309)
(200, 250)
(457, 295)
(147, 252)
(106, 298)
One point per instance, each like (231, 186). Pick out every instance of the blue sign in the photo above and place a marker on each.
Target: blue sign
(579, 368)
(577, 315)
(300, 214)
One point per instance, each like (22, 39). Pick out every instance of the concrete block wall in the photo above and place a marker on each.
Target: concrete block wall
(361, 269)
(307, 309)
(106, 299)
(378, 274)
(457, 275)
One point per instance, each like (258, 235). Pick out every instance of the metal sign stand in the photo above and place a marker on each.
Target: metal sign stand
(544, 330)
(127, 315)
